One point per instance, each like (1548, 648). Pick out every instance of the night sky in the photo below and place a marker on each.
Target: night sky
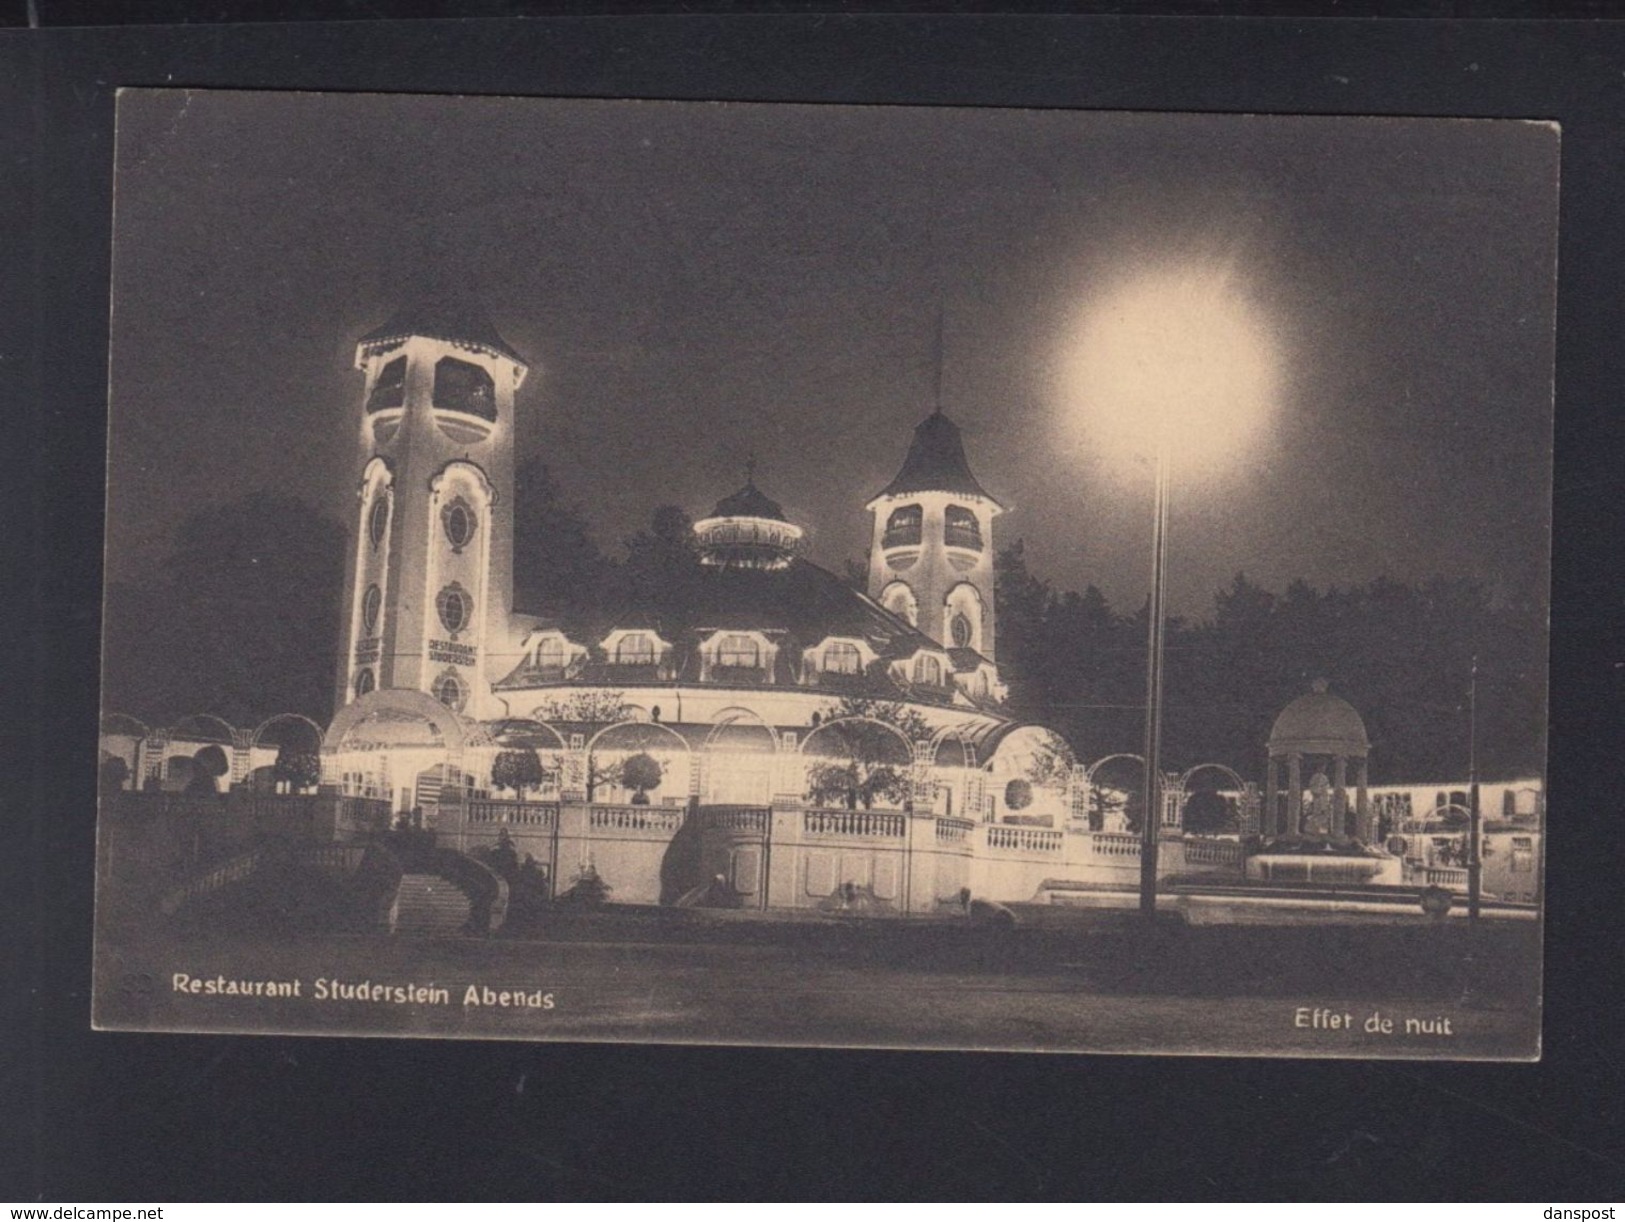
(695, 284)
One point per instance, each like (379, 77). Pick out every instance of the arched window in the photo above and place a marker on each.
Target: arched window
(449, 690)
(550, 654)
(960, 528)
(378, 519)
(371, 601)
(903, 527)
(455, 606)
(363, 681)
(635, 649)
(737, 649)
(842, 658)
(928, 670)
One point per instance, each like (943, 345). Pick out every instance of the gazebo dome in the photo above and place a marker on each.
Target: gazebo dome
(1319, 723)
(747, 529)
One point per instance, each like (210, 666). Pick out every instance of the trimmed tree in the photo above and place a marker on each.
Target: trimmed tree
(300, 769)
(517, 769)
(641, 773)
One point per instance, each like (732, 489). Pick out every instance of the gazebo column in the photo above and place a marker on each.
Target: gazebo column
(1294, 794)
(1270, 824)
(1362, 803)
(1340, 779)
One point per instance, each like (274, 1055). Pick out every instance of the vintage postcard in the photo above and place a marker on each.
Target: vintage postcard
(823, 575)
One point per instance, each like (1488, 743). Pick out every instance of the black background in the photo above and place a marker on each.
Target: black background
(155, 1118)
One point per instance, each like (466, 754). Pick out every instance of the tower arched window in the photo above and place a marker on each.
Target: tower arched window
(459, 522)
(371, 602)
(842, 658)
(635, 649)
(378, 519)
(903, 527)
(900, 601)
(450, 691)
(737, 649)
(960, 528)
(456, 608)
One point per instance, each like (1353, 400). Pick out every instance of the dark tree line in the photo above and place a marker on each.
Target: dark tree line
(1401, 654)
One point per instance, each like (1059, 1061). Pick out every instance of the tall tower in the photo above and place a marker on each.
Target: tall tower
(429, 579)
(931, 555)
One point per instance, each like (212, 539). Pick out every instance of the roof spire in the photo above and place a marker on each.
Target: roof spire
(750, 470)
(936, 362)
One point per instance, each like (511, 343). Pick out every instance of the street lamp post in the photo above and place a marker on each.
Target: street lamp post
(1150, 822)
(1173, 363)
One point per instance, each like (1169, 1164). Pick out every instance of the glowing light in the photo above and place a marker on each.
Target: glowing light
(1178, 359)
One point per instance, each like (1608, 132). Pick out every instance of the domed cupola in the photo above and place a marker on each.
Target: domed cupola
(747, 530)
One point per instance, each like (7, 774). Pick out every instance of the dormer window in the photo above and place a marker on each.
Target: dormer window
(635, 649)
(736, 649)
(928, 670)
(903, 527)
(550, 654)
(842, 658)
(960, 528)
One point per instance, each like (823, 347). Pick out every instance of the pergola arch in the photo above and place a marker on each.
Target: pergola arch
(517, 733)
(397, 703)
(737, 718)
(1185, 777)
(834, 728)
(189, 729)
(655, 729)
(124, 724)
(1093, 769)
(259, 731)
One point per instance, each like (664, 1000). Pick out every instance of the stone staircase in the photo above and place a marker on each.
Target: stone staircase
(428, 905)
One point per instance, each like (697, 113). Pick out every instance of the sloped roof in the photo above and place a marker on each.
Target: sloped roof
(936, 462)
(444, 318)
(749, 502)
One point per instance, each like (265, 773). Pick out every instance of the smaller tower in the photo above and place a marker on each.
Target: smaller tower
(931, 553)
(747, 530)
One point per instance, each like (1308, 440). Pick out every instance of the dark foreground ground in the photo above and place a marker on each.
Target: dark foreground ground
(1096, 983)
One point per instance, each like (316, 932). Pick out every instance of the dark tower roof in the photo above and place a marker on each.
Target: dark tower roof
(749, 502)
(444, 318)
(936, 463)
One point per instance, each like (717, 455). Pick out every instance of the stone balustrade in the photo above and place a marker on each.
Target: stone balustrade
(1025, 839)
(855, 824)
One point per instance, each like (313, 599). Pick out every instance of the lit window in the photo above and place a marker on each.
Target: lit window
(461, 386)
(378, 519)
(840, 658)
(458, 520)
(390, 388)
(363, 681)
(550, 654)
(738, 650)
(961, 529)
(928, 670)
(903, 527)
(449, 690)
(635, 649)
(960, 629)
(455, 607)
(370, 602)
